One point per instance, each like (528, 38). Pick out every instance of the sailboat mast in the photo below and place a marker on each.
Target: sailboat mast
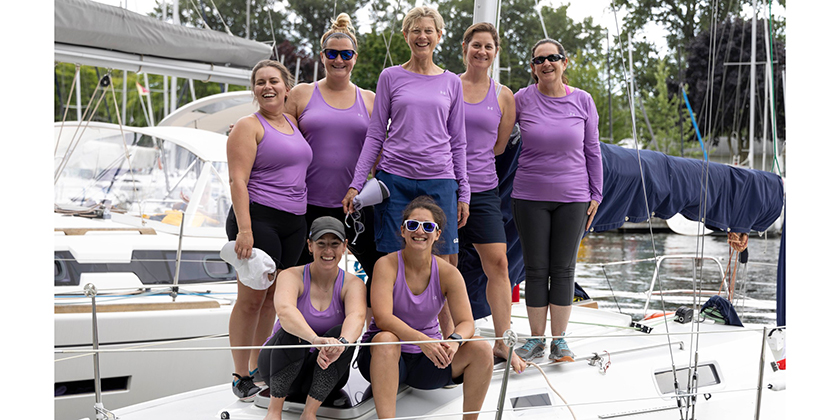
(488, 11)
(752, 85)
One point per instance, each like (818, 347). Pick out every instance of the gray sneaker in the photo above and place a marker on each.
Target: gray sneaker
(560, 351)
(532, 349)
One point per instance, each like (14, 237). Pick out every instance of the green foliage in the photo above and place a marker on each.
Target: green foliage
(374, 57)
(664, 110)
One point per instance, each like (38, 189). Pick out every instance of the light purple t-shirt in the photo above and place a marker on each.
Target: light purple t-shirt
(336, 137)
(278, 176)
(319, 321)
(426, 138)
(482, 125)
(418, 311)
(561, 155)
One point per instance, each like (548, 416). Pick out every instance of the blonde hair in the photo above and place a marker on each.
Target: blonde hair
(341, 27)
(420, 12)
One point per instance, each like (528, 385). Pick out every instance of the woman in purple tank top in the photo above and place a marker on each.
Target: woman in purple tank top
(489, 115)
(411, 287)
(317, 303)
(267, 161)
(317, 107)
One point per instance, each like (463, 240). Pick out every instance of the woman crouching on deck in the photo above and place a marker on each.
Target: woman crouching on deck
(410, 287)
(317, 303)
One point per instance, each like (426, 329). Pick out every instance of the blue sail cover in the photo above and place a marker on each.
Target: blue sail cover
(739, 200)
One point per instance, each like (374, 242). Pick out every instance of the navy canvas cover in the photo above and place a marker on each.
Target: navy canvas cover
(738, 199)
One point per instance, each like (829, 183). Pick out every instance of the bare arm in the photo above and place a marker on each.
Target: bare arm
(289, 288)
(508, 106)
(241, 153)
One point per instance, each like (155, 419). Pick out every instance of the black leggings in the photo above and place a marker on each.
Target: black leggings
(295, 372)
(550, 233)
(280, 234)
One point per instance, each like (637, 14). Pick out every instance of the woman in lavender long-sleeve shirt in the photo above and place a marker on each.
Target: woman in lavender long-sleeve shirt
(556, 192)
(425, 149)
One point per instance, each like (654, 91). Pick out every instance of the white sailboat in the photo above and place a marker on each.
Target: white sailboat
(139, 218)
(624, 368)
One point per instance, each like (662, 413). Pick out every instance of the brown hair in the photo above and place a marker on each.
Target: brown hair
(343, 27)
(427, 203)
(285, 74)
(420, 12)
(475, 28)
(560, 49)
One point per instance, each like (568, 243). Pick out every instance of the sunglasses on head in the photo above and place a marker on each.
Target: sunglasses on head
(551, 57)
(413, 225)
(345, 54)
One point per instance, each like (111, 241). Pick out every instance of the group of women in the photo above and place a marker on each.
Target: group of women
(431, 137)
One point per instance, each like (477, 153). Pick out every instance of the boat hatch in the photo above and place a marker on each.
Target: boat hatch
(533, 400)
(151, 267)
(86, 386)
(708, 374)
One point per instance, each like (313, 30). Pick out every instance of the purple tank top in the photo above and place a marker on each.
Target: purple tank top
(482, 125)
(336, 137)
(278, 177)
(418, 311)
(319, 321)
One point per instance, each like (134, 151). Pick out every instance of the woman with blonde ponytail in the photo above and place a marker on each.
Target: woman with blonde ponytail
(318, 106)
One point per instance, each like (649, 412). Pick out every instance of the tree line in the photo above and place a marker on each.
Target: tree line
(705, 38)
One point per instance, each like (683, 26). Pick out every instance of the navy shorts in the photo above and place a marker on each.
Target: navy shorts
(416, 370)
(485, 225)
(388, 214)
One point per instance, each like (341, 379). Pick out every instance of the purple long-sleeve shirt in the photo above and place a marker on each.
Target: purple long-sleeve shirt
(561, 155)
(426, 137)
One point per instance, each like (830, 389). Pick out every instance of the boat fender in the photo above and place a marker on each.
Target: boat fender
(777, 385)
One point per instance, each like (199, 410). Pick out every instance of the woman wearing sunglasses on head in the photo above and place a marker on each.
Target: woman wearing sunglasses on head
(489, 118)
(333, 115)
(317, 303)
(410, 289)
(556, 192)
(267, 157)
(424, 153)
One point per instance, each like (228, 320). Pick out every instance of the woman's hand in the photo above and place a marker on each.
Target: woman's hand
(463, 213)
(437, 353)
(330, 354)
(244, 244)
(347, 202)
(593, 208)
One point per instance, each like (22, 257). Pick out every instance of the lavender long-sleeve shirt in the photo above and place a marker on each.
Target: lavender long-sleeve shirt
(561, 155)
(426, 137)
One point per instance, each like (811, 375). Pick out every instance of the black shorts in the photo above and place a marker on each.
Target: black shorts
(485, 224)
(278, 233)
(416, 370)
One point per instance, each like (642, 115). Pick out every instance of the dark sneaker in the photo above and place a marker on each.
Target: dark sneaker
(256, 377)
(244, 388)
(532, 349)
(560, 351)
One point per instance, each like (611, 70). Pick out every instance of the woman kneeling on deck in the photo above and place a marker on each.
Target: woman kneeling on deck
(409, 289)
(317, 303)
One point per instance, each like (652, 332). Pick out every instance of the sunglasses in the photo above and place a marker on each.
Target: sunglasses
(345, 54)
(552, 57)
(413, 225)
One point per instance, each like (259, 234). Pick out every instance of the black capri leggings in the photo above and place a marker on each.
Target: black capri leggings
(550, 233)
(280, 234)
(295, 372)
